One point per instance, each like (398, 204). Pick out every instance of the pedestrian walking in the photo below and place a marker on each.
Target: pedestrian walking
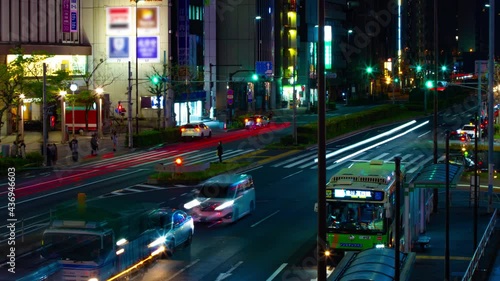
(54, 154)
(220, 151)
(73, 145)
(94, 144)
(22, 147)
(114, 138)
(48, 150)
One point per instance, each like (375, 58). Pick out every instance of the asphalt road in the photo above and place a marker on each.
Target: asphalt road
(277, 239)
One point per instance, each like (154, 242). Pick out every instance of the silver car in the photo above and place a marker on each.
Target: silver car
(196, 130)
(174, 227)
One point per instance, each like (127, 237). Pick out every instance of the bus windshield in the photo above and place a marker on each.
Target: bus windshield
(71, 246)
(346, 217)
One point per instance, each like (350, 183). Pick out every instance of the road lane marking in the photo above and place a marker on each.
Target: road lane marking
(257, 223)
(228, 273)
(183, 269)
(292, 174)
(72, 188)
(253, 169)
(276, 272)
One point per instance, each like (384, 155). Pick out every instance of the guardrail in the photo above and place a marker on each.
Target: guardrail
(469, 273)
(25, 226)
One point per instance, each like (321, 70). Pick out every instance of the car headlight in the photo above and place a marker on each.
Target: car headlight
(192, 204)
(225, 205)
(158, 241)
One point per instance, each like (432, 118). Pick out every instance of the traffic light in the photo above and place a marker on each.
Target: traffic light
(396, 79)
(155, 80)
(429, 84)
(369, 70)
(119, 109)
(443, 68)
(255, 77)
(178, 162)
(419, 68)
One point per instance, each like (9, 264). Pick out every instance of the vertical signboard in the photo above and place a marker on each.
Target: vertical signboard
(65, 16)
(183, 32)
(328, 47)
(74, 16)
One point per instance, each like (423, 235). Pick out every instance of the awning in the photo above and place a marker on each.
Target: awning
(434, 176)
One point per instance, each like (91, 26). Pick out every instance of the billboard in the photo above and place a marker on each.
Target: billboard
(118, 20)
(118, 47)
(148, 48)
(147, 20)
(66, 16)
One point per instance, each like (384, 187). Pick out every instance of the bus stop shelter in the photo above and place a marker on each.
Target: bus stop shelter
(375, 264)
(434, 176)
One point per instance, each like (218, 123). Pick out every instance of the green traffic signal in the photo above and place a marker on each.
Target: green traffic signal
(155, 80)
(443, 68)
(255, 77)
(419, 68)
(396, 80)
(369, 70)
(429, 84)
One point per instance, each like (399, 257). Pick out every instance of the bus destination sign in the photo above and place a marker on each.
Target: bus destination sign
(356, 194)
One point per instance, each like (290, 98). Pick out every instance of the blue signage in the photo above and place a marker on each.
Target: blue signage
(119, 47)
(264, 68)
(147, 47)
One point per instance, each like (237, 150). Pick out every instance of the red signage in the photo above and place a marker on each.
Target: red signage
(230, 96)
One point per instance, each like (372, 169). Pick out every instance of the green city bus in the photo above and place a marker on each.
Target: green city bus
(360, 205)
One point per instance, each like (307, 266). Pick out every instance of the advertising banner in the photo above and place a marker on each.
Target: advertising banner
(118, 20)
(118, 47)
(148, 48)
(65, 16)
(74, 16)
(147, 20)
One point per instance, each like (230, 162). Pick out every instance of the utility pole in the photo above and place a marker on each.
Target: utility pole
(321, 240)
(129, 107)
(491, 77)
(44, 115)
(435, 118)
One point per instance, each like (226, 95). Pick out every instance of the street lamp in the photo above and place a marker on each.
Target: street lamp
(99, 92)
(63, 116)
(73, 88)
(21, 111)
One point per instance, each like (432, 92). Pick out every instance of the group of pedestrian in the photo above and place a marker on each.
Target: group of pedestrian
(19, 149)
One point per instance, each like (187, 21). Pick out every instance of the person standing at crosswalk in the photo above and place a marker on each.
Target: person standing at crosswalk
(220, 151)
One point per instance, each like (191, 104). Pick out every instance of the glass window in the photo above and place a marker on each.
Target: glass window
(216, 191)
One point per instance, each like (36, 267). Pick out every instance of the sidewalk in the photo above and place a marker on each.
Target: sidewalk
(33, 141)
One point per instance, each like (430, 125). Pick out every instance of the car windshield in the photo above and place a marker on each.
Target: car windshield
(346, 217)
(216, 191)
(469, 128)
(72, 246)
(160, 220)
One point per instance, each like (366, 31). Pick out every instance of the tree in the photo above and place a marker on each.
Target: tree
(14, 80)
(88, 96)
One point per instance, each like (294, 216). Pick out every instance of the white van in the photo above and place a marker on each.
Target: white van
(223, 198)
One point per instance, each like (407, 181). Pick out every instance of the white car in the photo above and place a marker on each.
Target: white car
(468, 129)
(256, 121)
(175, 227)
(224, 199)
(198, 130)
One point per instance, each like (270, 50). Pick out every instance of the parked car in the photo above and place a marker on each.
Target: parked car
(256, 121)
(224, 198)
(198, 130)
(177, 228)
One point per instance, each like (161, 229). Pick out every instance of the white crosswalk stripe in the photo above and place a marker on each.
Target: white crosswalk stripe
(314, 153)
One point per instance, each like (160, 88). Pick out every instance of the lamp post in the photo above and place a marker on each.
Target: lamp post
(99, 92)
(136, 73)
(21, 111)
(73, 88)
(63, 116)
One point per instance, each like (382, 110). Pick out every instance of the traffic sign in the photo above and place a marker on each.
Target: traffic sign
(264, 68)
(230, 96)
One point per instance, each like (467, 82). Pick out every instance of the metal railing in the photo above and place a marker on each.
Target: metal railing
(469, 273)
